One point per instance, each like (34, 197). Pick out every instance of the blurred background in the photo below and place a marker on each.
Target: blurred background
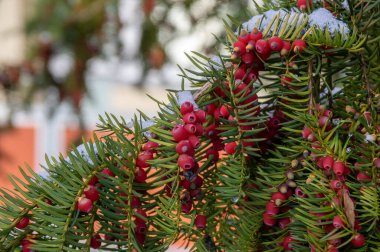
(64, 62)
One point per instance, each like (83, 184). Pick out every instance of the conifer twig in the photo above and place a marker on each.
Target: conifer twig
(365, 79)
(310, 85)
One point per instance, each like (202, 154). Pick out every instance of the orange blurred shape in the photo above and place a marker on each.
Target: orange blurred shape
(16, 149)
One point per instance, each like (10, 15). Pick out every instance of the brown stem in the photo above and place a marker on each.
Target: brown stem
(365, 79)
(198, 94)
(310, 86)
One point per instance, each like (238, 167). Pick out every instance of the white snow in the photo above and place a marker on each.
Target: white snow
(345, 5)
(261, 22)
(324, 19)
(321, 18)
(186, 96)
(216, 62)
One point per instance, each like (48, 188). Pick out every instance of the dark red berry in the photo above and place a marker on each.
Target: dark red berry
(299, 46)
(140, 226)
(278, 198)
(286, 47)
(286, 80)
(275, 44)
(179, 133)
(84, 205)
(230, 148)
(224, 112)
(211, 108)
(304, 4)
(327, 162)
(338, 222)
(262, 46)
(91, 192)
(96, 241)
(194, 141)
(283, 223)
(239, 47)
(272, 208)
(23, 223)
(269, 219)
(199, 129)
(200, 115)
(358, 240)
(248, 58)
(213, 154)
(211, 131)
(200, 221)
(190, 128)
(239, 73)
(184, 147)
(187, 206)
(339, 168)
(136, 203)
(361, 176)
(140, 175)
(140, 237)
(336, 184)
(190, 118)
(150, 146)
(288, 243)
(186, 162)
(108, 172)
(255, 35)
(142, 159)
(186, 107)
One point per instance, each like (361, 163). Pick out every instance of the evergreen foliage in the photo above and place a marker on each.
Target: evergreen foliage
(304, 174)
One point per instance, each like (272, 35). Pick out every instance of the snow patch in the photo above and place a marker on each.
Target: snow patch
(324, 19)
(186, 96)
(345, 5)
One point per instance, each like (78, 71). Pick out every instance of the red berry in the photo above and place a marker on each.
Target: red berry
(278, 198)
(286, 47)
(23, 223)
(84, 205)
(190, 117)
(358, 240)
(184, 147)
(272, 208)
(304, 4)
(186, 162)
(283, 223)
(323, 121)
(338, 222)
(186, 107)
(140, 237)
(141, 215)
(336, 184)
(200, 221)
(211, 131)
(199, 129)
(26, 246)
(194, 141)
(186, 206)
(224, 112)
(200, 115)
(213, 154)
(339, 168)
(150, 146)
(299, 45)
(190, 128)
(288, 243)
(140, 226)
(306, 132)
(142, 159)
(239, 47)
(136, 203)
(248, 58)
(239, 73)
(285, 80)
(107, 171)
(91, 193)
(241, 89)
(230, 148)
(255, 35)
(327, 162)
(96, 241)
(93, 180)
(179, 133)
(274, 123)
(262, 46)
(140, 175)
(275, 44)
(211, 108)
(361, 176)
(269, 219)
(376, 162)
